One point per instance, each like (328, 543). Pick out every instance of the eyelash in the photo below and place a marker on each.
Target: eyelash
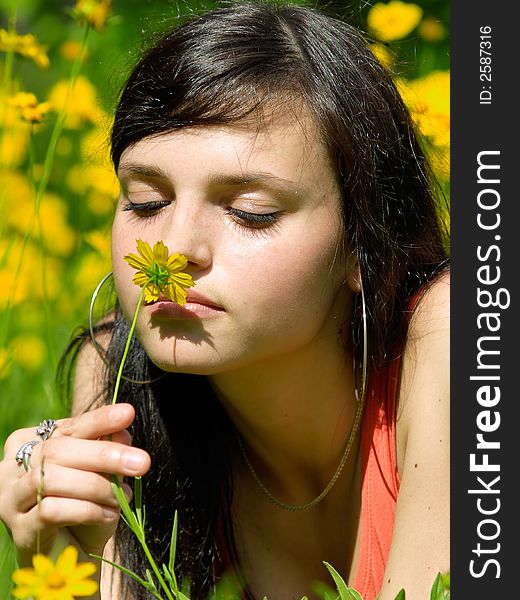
(145, 209)
(253, 220)
(241, 217)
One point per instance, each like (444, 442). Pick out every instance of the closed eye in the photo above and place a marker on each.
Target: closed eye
(145, 209)
(253, 220)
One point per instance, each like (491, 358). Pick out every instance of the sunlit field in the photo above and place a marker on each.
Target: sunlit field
(61, 67)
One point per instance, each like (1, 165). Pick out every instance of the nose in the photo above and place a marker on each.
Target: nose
(189, 232)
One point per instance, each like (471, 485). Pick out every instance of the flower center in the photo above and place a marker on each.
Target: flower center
(56, 581)
(158, 275)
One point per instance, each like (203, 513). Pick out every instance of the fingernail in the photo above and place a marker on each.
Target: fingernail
(133, 461)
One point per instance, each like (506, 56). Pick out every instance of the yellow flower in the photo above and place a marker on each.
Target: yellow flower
(29, 351)
(432, 30)
(383, 55)
(83, 104)
(159, 273)
(26, 45)
(64, 580)
(28, 107)
(71, 50)
(393, 21)
(93, 12)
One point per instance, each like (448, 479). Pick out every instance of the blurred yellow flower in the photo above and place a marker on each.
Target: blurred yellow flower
(99, 241)
(63, 580)
(429, 101)
(19, 280)
(83, 104)
(383, 55)
(71, 50)
(25, 45)
(393, 21)
(93, 12)
(432, 30)
(29, 351)
(28, 107)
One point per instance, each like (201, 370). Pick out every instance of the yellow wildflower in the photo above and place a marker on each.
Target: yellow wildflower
(64, 580)
(25, 45)
(99, 240)
(93, 12)
(83, 104)
(28, 107)
(432, 30)
(383, 55)
(29, 351)
(71, 50)
(160, 273)
(431, 106)
(393, 21)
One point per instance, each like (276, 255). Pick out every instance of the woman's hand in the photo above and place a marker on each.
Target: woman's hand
(73, 468)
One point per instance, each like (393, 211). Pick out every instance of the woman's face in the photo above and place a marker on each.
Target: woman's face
(257, 214)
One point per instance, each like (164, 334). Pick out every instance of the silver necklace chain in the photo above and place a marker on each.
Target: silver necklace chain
(311, 503)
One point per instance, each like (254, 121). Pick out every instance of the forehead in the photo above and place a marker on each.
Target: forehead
(285, 143)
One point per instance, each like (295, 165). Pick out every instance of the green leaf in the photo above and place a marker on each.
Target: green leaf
(324, 591)
(125, 508)
(131, 574)
(173, 544)
(138, 501)
(400, 595)
(345, 593)
(440, 588)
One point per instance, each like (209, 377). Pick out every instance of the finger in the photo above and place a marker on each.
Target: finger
(120, 437)
(103, 421)
(64, 482)
(92, 455)
(54, 511)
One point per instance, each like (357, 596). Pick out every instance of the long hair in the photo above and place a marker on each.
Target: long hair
(229, 65)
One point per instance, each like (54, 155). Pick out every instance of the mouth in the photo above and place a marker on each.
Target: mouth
(197, 306)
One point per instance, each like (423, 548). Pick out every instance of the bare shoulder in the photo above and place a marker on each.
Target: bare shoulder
(425, 377)
(420, 542)
(432, 312)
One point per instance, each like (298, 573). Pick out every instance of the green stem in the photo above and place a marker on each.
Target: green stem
(127, 345)
(155, 568)
(140, 534)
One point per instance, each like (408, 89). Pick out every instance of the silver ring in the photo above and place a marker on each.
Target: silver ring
(45, 429)
(24, 454)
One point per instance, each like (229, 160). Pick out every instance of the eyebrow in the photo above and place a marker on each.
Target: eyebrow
(268, 179)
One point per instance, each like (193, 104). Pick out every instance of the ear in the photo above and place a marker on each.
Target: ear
(353, 273)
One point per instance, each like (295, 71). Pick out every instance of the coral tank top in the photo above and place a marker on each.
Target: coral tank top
(380, 480)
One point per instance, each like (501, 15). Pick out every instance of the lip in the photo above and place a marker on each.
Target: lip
(197, 306)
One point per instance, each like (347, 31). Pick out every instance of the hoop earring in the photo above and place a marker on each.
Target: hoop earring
(364, 364)
(99, 350)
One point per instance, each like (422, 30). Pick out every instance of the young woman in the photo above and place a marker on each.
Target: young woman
(296, 409)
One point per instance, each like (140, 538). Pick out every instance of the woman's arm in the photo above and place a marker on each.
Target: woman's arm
(78, 505)
(420, 543)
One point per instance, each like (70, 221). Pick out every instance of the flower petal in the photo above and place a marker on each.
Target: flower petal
(42, 565)
(83, 588)
(145, 251)
(177, 262)
(160, 252)
(136, 262)
(85, 569)
(67, 561)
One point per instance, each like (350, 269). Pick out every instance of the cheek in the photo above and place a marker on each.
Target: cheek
(285, 278)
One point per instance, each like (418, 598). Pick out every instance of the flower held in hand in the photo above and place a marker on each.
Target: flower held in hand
(159, 273)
